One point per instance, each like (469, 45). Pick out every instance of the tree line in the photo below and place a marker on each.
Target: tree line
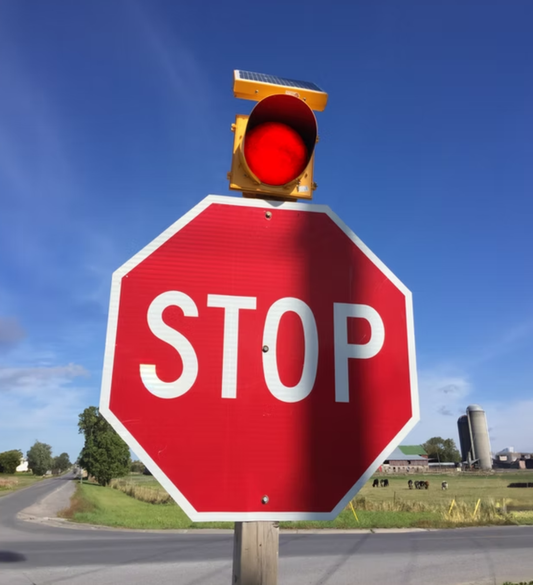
(104, 455)
(40, 460)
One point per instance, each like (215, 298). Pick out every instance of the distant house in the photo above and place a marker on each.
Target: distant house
(23, 466)
(406, 459)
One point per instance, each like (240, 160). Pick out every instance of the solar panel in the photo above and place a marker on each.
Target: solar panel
(262, 78)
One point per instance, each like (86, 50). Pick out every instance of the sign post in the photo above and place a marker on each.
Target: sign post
(255, 553)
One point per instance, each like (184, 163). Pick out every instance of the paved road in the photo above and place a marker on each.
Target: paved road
(38, 554)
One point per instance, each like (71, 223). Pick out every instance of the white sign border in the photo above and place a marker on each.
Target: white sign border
(105, 394)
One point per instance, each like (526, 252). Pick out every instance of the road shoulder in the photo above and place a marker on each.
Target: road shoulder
(48, 508)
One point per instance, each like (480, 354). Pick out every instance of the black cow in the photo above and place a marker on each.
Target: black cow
(444, 485)
(375, 483)
(384, 483)
(410, 484)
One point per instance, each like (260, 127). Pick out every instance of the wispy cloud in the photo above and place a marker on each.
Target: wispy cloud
(444, 395)
(34, 379)
(441, 388)
(510, 424)
(180, 70)
(43, 403)
(444, 410)
(507, 341)
(11, 332)
(33, 157)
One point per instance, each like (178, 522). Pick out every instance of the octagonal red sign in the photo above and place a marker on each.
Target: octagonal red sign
(259, 360)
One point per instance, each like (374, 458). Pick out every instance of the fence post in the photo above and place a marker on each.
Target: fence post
(353, 510)
(476, 508)
(451, 506)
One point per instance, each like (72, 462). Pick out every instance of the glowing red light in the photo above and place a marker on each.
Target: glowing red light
(275, 153)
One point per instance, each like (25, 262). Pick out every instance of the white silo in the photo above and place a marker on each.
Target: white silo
(479, 436)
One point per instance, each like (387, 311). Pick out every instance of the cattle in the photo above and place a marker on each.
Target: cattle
(384, 483)
(421, 485)
(444, 485)
(375, 483)
(410, 484)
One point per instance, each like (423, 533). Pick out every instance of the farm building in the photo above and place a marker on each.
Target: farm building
(406, 459)
(510, 459)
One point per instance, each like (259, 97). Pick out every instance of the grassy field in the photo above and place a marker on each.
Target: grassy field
(461, 486)
(93, 504)
(392, 507)
(12, 482)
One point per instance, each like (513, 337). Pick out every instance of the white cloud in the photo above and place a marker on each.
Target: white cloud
(35, 379)
(41, 403)
(510, 424)
(443, 398)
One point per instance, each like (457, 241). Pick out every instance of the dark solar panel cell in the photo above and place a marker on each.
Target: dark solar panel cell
(249, 76)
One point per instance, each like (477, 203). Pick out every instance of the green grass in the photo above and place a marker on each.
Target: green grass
(93, 504)
(392, 507)
(16, 481)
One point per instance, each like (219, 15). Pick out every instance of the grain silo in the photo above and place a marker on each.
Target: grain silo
(464, 438)
(479, 436)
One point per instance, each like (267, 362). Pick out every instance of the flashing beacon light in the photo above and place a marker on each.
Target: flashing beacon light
(273, 150)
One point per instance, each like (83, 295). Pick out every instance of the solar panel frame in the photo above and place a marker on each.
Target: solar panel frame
(275, 80)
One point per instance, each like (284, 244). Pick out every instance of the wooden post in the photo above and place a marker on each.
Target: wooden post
(255, 553)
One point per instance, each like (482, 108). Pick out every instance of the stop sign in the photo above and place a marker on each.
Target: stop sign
(259, 360)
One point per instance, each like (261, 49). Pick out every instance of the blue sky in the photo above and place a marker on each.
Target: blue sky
(115, 120)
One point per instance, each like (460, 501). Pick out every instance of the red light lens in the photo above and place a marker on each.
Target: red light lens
(275, 153)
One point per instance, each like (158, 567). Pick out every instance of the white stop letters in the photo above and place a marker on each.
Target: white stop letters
(232, 306)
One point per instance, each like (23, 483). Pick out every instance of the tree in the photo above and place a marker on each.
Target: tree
(10, 460)
(61, 463)
(137, 467)
(442, 450)
(104, 455)
(40, 458)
